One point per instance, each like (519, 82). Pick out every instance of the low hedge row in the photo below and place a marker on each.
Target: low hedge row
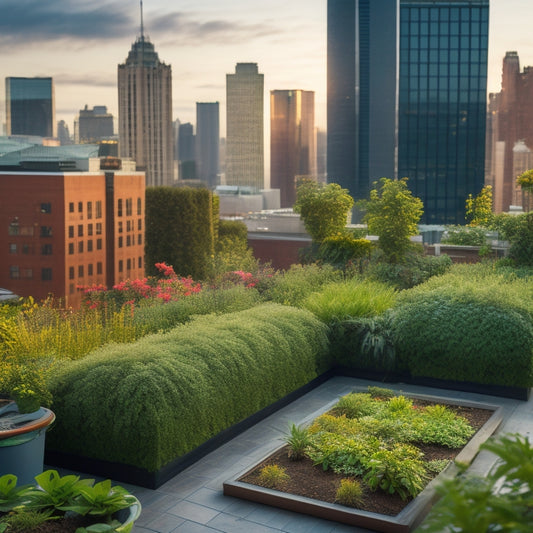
(472, 324)
(148, 403)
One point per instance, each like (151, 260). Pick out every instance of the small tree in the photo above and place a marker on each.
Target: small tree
(323, 208)
(479, 208)
(525, 181)
(392, 213)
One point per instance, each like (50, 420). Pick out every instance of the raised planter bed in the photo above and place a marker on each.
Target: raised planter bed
(405, 521)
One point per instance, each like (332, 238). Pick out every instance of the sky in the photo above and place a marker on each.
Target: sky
(80, 44)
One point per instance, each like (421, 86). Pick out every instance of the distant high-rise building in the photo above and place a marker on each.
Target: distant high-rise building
(292, 141)
(244, 127)
(431, 127)
(94, 124)
(186, 152)
(207, 144)
(321, 155)
(511, 133)
(145, 112)
(30, 107)
(63, 133)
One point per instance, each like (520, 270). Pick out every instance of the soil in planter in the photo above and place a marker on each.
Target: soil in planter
(313, 482)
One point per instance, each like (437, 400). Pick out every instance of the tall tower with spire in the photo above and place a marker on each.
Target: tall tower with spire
(145, 111)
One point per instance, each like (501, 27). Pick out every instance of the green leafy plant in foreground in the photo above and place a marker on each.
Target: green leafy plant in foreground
(350, 493)
(500, 502)
(273, 476)
(298, 441)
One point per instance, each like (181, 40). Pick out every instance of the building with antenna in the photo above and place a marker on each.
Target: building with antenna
(145, 111)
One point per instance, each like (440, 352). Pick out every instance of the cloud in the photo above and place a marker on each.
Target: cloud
(26, 22)
(85, 80)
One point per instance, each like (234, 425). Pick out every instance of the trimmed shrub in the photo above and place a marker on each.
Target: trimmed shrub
(180, 230)
(464, 337)
(153, 401)
(521, 251)
(465, 235)
(349, 299)
(297, 283)
(160, 318)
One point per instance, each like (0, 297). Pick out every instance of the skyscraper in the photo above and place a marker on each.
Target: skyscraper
(433, 129)
(207, 143)
(292, 141)
(145, 112)
(511, 133)
(30, 107)
(362, 92)
(95, 124)
(442, 111)
(244, 127)
(186, 152)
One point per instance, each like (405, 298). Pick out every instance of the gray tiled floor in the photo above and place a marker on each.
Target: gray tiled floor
(192, 502)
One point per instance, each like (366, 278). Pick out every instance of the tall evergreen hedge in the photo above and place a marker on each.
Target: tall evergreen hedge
(148, 403)
(180, 230)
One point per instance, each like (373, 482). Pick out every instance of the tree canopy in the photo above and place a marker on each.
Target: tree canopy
(393, 214)
(324, 208)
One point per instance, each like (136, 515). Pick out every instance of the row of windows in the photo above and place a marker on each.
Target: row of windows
(129, 207)
(15, 272)
(97, 228)
(130, 263)
(452, 57)
(27, 231)
(446, 13)
(130, 240)
(130, 225)
(81, 270)
(444, 69)
(444, 28)
(89, 209)
(71, 246)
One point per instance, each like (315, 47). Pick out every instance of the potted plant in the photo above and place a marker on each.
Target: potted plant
(65, 504)
(24, 418)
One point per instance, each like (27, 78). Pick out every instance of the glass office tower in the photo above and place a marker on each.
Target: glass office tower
(443, 85)
(30, 107)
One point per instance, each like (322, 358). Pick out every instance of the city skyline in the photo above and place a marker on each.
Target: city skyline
(80, 47)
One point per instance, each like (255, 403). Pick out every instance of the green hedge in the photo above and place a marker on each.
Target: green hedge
(148, 403)
(180, 230)
(157, 318)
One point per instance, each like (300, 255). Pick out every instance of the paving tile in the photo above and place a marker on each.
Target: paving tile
(193, 511)
(165, 523)
(234, 524)
(191, 527)
(213, 499)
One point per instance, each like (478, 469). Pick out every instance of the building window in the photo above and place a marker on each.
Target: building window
(129, 207)
(119, 207)
(25, 248)
(120, 242)
(46, 274)
(121, 266)
(70, 248)
(80, 230)
(139, 206)
(12, 248)
(98, 228)
(80, 247)
(80, 207)
(98, 209)
(128, 225)
(90, 245)
(90, 269)
(27, 273)
(46, 207)
(120, 227)
(89, 210)
(80, 271)
(14, 272)
(70, 272)
(89, 229)
(71, 207)
(139, 239)
(46, 231)
(140, 262)
(13, 228)
(98, 244)
(70, 232)
(98, 268)
(128, 240)
(46, 249)
(140, 224)
(128, 264)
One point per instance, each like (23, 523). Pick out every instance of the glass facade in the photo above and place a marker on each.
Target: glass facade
(30, 107)
(442, 102)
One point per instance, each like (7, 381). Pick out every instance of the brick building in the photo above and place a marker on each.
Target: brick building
(59, 230)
